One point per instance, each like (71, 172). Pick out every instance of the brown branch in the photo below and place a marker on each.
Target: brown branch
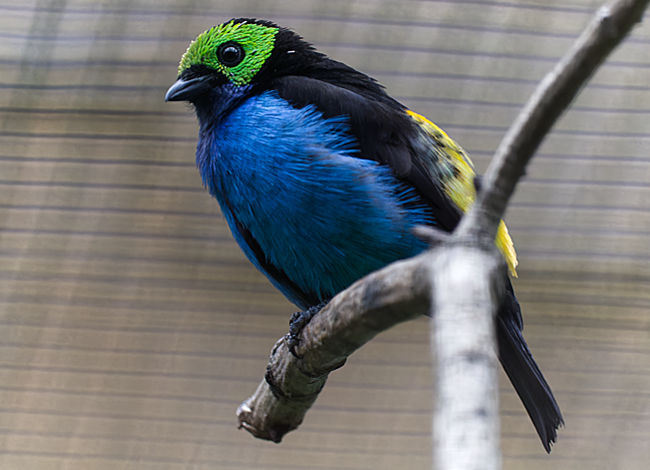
(394, 294)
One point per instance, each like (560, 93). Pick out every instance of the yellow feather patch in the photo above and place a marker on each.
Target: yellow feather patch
(458, 184)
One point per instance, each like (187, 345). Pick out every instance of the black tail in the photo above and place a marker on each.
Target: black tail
(523, 372)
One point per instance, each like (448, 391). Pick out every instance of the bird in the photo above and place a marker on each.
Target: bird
(322, 176)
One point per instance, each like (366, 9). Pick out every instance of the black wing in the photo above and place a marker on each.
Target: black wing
(383, 131)
(387, 134)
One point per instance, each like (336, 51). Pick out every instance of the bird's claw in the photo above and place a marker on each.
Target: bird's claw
(298, 322)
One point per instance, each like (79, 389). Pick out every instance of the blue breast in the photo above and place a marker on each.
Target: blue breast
(308, 213)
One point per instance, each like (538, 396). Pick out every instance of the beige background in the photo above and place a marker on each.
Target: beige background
(131, 326)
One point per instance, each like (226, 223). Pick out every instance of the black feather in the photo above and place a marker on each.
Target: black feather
(382, 130)
(523, 372)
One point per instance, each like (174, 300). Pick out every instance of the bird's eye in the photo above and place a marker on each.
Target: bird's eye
(230, 54)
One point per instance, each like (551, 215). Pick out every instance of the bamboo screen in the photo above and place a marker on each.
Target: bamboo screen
(131, 324)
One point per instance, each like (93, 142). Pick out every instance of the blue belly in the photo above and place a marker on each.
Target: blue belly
(308, 213)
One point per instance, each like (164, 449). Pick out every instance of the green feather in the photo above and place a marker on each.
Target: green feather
(257, 41)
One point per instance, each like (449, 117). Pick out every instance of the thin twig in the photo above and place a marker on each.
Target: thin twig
(551, 98)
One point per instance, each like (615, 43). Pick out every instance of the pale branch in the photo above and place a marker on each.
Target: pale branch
(394, 294)
(466, 419)
(408, 289)
(551, 98)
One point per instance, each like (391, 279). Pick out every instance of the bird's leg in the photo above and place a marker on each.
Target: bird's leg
(297, 323)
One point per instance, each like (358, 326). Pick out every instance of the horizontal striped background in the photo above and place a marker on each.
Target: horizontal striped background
(132, 326)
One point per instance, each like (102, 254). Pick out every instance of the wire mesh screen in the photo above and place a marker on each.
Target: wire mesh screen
(131, 324)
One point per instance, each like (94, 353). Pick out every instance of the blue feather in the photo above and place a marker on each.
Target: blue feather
(288, 182)
(298, 176)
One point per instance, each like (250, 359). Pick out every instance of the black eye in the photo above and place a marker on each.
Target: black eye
(230, 54)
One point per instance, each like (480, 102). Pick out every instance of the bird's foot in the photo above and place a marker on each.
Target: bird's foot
(297, 323)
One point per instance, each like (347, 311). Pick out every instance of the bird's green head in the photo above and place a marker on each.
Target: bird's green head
(237, 49)
(240, 53)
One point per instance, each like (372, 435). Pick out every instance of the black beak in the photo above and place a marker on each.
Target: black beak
(188, 90)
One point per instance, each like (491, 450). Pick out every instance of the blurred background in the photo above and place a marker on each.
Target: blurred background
(131, 326)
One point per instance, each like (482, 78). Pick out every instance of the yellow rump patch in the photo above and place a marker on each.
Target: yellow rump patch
(460, 187)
